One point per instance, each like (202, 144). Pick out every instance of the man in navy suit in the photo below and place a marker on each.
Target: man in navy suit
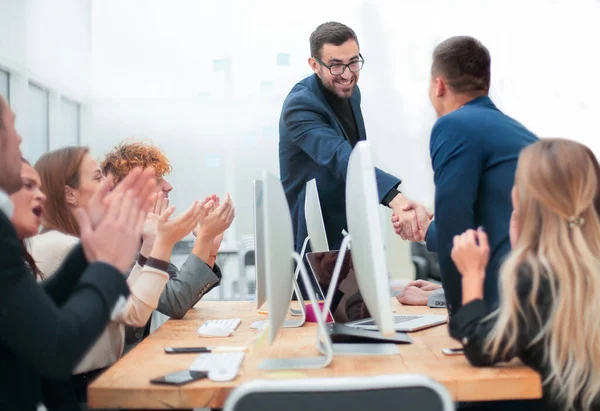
(320, 123)
(474, 149)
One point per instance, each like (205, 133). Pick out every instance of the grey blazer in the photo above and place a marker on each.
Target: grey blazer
(183, 290)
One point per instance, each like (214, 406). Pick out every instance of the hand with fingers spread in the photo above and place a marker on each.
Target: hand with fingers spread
(209, 204)
(218, 220)
(169, 232)
(140, 183)
(410, 219)
(115, 238)
(160, 205)
(470, 253)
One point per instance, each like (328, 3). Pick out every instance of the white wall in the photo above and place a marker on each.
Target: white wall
(46, 43)
(155, 77)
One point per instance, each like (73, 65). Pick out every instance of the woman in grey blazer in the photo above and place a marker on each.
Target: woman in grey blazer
(199, 274)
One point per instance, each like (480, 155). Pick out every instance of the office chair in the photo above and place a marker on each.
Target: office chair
(427, 266)
(405, 392)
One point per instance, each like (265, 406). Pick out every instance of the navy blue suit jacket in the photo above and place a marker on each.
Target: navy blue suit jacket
(312, 144)
(474, 152)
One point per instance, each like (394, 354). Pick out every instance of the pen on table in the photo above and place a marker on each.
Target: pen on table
(264, 312)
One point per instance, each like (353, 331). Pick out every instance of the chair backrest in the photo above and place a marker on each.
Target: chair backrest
(433, 264)
(405, 392)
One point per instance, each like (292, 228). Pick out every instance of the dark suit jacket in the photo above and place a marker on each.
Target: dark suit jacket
(312, 144)
(474, 152)
(46, 329)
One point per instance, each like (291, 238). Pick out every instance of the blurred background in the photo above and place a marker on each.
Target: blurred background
(205, 81)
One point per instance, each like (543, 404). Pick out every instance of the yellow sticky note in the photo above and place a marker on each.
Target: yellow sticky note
(261, 338)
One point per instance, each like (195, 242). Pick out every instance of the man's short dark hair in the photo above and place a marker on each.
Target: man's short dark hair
(330, 33)
(464, 62)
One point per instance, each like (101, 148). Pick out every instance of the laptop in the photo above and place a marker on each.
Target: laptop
(322, 264)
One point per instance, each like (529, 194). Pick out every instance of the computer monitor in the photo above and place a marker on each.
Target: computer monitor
(259, 245)
(279, 270)
(364, 227)
(260, 258)
(314, 218)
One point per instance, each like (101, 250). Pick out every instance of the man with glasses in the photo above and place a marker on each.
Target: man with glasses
(321, 121)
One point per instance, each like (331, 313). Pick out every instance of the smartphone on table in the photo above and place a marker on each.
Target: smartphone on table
(453, 351)
(180, 377)
(187, 350)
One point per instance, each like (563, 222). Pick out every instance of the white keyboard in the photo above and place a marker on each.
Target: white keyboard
(223, 366)
(231, 323)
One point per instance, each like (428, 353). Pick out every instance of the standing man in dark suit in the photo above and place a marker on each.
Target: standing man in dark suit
(474, 149)
(320, 123)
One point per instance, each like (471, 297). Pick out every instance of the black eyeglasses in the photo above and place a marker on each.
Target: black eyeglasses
(338, 69)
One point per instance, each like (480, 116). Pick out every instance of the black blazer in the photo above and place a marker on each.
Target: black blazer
(471, 327)
(46, 329)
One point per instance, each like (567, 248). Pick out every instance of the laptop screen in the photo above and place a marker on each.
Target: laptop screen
(322, 265)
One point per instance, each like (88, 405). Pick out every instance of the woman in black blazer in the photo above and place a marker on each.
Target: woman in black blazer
(550, 283)
(46, 329)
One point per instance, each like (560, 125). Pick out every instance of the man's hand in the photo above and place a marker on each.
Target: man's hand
(141, 184)
(410, 219)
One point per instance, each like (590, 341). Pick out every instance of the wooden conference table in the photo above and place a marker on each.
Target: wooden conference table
(126, 384)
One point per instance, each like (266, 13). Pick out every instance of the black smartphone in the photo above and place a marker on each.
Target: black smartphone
(180, 377)
(186, 350)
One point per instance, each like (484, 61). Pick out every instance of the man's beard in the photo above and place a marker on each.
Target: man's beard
(332, 89)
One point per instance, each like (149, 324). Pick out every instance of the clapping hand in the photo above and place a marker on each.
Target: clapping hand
(115, 238)
(218, 219)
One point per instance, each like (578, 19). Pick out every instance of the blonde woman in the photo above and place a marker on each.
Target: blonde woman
(549, 284)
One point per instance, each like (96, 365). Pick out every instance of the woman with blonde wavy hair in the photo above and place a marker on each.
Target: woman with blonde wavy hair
(549, 284)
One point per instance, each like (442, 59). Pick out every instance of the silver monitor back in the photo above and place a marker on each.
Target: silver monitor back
(364, 226)
(279, 245)
(259, 245)
(314, 218)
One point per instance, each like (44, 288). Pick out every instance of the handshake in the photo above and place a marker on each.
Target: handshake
(410, 220)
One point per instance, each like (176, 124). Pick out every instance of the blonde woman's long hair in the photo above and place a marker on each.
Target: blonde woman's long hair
(559, 241)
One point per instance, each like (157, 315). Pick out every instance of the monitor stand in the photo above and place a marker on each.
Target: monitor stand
(324, 345)
(375, 348)
(302, 310)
